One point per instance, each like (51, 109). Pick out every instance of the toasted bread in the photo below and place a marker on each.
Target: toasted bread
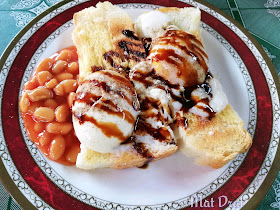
(187, 19)
(105, 39)
(98, 31)
(89, 159)
(213, 142)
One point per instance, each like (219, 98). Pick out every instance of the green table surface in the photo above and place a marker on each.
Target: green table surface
(260, 17)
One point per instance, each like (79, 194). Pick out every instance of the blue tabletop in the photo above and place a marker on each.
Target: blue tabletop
(260, 17)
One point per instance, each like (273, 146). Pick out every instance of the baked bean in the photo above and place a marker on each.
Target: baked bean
(43, 77)
(59, 67)
(65, 55)
(39, 126)
(57, 147)
(69, 85)
(50, 103)
(72, 154)
(59, 90)
(45, 65)
(59, 128)
(31, 84)
(40, 93)
(64, 76)
(73, 68)
(33, 107)
(66, 86)
(62, 112)
(71, 98)
(44, 114)
(24, 102)
(45, 138)
(51, 84)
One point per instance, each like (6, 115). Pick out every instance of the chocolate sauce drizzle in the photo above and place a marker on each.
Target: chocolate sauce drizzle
(108, 128)
(127, 47)
(138, 52)
(130, 34)
(147, 44)
(106, 88)
(96, 68)
(194, 50)
(190, 45)
(109, 56)
(143, 151)
(161, 134)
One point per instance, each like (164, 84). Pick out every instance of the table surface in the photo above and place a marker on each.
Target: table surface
(260, 17)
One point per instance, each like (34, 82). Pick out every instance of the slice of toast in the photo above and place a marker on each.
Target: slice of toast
(89, 159)
(152, 138)
(105, 39)
(187, 19)
(98, 31)
(213, 142)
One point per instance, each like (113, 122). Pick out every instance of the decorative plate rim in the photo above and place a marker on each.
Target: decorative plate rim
(272, 172)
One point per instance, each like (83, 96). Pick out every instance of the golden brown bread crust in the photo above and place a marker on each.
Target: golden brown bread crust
(89, 159)
(213, 142)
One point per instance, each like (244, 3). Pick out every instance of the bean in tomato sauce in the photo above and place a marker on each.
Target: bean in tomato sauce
(46, 103)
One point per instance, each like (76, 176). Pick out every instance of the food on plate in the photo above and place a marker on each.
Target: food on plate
(46, 103)
(213, 142)
(206, 126)
(105, 110)
(176, 51)
(143, 138)
(149, 24)
(106, 33)
(144, 90)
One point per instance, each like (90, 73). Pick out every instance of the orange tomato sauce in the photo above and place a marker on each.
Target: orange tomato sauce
(59, 144)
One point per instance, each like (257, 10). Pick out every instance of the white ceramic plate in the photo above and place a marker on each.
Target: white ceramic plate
(172, 183)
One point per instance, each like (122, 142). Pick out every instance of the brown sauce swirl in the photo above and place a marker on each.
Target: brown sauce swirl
(109, 57)
(142, 150)
(207, 108)
(185, 69)
(120, 79)
(129, 50)
(108, 128)
(169, 56)
(96, 68)
(161, 134)
(87, 98)
(104, 105)
(112, 109)
(147, 44)
(105, 87)
(182, 121)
